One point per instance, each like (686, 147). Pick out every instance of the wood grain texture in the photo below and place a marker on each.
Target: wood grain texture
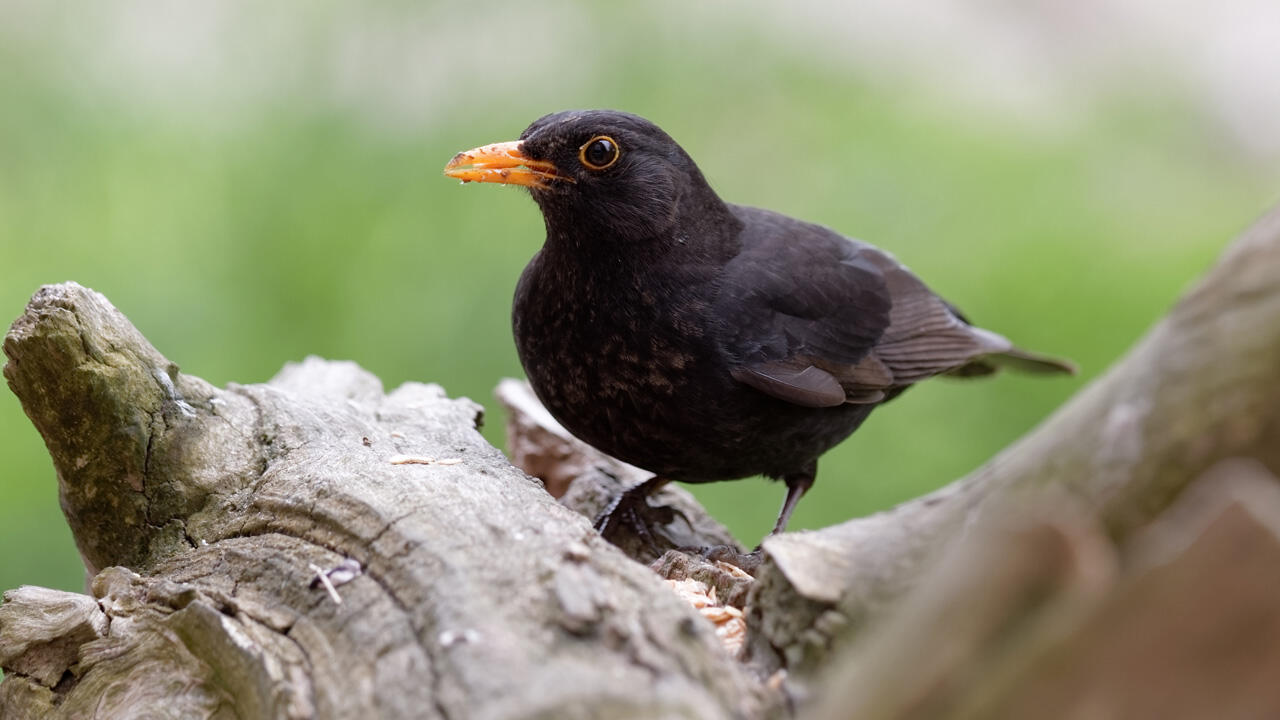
(201, 510)
(1040, 617)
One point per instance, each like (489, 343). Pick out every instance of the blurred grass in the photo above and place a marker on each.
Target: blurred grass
(308, 229)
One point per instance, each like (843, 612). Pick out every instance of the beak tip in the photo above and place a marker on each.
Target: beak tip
(503, 163)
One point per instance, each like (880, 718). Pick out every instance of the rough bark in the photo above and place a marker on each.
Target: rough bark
(480, 595)
(1039, 616)
(204, 514)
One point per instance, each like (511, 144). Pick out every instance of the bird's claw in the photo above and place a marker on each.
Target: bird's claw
(631, 510)
(748, 562)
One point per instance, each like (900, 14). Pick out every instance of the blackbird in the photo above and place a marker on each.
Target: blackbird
(702, 340)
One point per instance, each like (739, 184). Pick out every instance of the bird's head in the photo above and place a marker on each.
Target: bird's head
(596, 173)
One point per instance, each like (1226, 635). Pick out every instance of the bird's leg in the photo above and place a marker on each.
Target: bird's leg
(798, 483)
(631, 506)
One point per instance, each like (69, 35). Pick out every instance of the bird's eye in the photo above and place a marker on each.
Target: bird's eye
(599, 152)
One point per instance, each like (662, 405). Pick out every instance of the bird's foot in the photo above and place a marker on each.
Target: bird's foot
(631, 510)
(748, 562)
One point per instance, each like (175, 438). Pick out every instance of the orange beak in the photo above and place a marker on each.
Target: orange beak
(502, 163)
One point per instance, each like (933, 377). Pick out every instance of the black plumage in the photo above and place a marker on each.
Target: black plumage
(702, 340)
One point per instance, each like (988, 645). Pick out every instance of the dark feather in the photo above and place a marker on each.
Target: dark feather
(798, 383)
(858, 319)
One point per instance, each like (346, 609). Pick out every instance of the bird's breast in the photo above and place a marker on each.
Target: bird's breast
(613, 358)
(605, 340)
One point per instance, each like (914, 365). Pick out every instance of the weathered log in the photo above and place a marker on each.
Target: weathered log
(1037, 617)
(480, 595)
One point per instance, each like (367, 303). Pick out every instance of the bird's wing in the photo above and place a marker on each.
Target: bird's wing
(926, 336)
(820, 320)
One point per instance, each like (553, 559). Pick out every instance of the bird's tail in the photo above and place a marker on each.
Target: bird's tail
(1015, 359)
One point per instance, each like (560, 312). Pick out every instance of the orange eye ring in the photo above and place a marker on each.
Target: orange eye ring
(599, 153)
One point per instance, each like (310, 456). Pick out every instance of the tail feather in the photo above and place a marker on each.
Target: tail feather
(1031, 362)
(1016, 359)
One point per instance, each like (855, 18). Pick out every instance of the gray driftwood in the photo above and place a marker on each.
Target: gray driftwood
(1036, 615)
(461, 588)
(202, 512)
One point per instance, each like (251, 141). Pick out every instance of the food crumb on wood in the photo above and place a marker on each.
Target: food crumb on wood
(449, 638)
(323, 578)
(422, 460)
(411, 460)
(730, 623)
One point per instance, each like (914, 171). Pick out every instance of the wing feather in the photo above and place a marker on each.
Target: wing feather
(824, 320)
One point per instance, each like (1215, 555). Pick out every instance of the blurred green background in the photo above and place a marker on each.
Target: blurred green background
(252, 183)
